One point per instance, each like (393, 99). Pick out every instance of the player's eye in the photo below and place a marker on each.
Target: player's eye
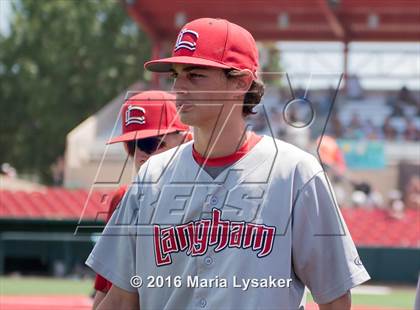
(193, 75)
(173, 75)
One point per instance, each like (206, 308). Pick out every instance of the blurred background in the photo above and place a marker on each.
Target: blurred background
(342, 81)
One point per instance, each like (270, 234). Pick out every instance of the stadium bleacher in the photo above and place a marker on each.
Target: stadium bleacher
(373, 109)
(54, 204)
(377, 228)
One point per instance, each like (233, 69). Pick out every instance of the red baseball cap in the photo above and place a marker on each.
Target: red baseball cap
(214, 43)
(149, 114)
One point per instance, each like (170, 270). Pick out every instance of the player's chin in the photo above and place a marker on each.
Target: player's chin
(189, 117)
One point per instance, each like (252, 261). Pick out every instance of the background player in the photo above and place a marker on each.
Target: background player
(143, 135)
(214, 64)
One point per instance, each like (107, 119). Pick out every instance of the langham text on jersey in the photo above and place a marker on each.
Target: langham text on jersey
(195, 237)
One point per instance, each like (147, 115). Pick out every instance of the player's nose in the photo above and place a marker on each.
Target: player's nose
(180, 91)
(179, 84)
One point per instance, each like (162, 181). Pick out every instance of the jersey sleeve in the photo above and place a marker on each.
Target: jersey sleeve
(324, 256)
(102, 284)
(115, 201)
(114, 255)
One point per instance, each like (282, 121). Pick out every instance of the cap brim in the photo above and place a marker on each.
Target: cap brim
(141, 134)
(165, 64)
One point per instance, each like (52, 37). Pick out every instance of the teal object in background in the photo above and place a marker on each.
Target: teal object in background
(363, 154)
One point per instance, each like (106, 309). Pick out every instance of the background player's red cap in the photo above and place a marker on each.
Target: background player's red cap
(149, 114)
(214, 43)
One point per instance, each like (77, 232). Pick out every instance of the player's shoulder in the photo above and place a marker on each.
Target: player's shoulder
(295, 160)
(289, 153)
(119, 193)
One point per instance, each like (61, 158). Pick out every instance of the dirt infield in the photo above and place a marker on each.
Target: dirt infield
(84, 303)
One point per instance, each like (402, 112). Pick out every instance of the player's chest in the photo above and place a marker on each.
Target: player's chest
(178, 204)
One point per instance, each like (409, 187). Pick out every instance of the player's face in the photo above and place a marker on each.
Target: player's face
(201, 93)
(142, 149)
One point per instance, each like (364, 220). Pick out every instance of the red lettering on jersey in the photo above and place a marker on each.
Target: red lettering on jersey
(267, 245)
(169, 244)
(235, 240)
(185, 235)
(219, 231)
(260, 237)
(160, 257)
(201, 237)
(196, 237)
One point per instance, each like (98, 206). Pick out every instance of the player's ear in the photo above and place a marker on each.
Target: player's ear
(242, 81)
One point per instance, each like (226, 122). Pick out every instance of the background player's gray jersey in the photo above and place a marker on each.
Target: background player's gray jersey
(269, 216)
(417, 298)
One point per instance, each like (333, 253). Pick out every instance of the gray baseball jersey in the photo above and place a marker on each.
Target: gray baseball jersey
(252, 238)
(417, 298)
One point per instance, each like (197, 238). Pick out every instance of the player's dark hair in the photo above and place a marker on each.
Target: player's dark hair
(254, 94)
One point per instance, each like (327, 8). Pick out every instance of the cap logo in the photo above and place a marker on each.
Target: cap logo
(135, 119)
(181, 43)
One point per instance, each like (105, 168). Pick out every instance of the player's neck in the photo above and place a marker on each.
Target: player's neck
(219, 142)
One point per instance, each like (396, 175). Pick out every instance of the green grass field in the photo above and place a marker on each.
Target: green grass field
(44, 286)
(398, 298)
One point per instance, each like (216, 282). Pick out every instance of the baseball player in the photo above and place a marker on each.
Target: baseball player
(144, 134)
(231, 220)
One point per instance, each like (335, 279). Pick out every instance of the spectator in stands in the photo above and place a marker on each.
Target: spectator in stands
(396, 204)
(365, 196)
(355, 129)
(334, 165)
(411, 132)
(397, 108)
(337, 129)
(406, 97)
(354, 88)
(325, 103)
(358, 199)
(370, 130)
(321, 106)
(412, 193)
(355, 122)
(331, 156)
(389, 132)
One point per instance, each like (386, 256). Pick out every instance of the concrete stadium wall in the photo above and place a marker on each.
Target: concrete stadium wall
(391, 265)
